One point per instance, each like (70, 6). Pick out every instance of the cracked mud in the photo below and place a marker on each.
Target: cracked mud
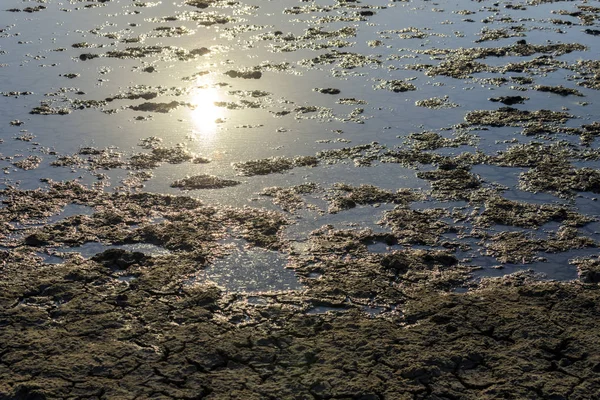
(299, 200)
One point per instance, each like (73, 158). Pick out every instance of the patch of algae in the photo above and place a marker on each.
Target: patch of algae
(454, 183)
(290, 199)
(416, 226)
(499, 210)
(273, 165)
(203, 181)
(559, 177)
(508, 116)
(347, 196)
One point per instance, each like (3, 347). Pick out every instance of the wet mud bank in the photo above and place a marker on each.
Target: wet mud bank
(132, 324)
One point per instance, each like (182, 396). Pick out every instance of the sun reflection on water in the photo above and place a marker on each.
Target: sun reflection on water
(206, 115)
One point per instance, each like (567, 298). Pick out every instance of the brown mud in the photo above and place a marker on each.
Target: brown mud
(399, 305)
(126, 324)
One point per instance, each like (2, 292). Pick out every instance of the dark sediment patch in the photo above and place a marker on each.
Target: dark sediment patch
(351, 101)
(133, 96)
(588, 269)
(290, 199)
(521, 248)
(521, 48)
(396, 86)
(497, 34)
(433, 140)
(244, 74)
(509, 100)
(27, 9)
(529, 155)
(82, 45)
(344, 60)
(361, 155)
(328, 90)
(264, 166)
(560, 90)
(88, 56)
(589, 73)
(499, 210)
(416, 226)
(171, 155)
(156, 107)
(436, 103)
(457, 68)
(47, 109)
(168, 51)
(16, 94)
(28, 163)
(201, 160)
(455, 183)
(593, 32)
(200, 3)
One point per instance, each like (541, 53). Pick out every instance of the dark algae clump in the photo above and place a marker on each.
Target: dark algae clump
(244, 74)
(156, 107)
(509, 100)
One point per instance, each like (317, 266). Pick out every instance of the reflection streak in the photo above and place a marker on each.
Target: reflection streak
(205, 114)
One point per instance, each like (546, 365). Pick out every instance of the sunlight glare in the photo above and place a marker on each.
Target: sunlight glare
(205, 114)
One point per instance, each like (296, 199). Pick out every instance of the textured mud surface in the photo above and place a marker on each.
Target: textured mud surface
(299, 200)
(367, 325)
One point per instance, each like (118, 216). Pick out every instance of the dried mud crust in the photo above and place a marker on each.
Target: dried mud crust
(98, 327)
(73, 330)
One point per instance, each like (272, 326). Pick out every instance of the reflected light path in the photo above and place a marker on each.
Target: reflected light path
(205, 114)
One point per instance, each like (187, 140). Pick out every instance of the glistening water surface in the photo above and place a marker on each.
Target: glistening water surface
(345, 111)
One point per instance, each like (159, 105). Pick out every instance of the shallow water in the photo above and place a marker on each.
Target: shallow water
(249, 271)
(215, 116)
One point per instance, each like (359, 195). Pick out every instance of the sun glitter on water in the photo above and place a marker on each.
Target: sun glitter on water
(206, 115)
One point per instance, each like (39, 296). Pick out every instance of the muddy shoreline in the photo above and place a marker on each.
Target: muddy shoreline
(365, 325)
(343, 199)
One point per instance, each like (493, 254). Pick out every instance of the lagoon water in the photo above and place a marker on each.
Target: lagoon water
(89, 85)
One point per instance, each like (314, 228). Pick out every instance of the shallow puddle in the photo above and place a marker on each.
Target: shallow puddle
(249, 270)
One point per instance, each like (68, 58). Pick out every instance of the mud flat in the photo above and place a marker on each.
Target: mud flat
(299, 200)
(364, 325)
